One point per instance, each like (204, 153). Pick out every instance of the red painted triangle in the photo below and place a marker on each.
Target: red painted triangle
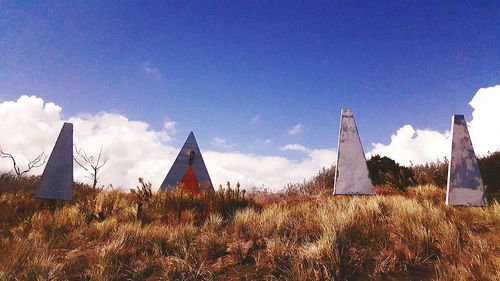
(190, 183)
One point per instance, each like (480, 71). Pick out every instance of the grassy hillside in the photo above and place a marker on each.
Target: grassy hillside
(113, 235)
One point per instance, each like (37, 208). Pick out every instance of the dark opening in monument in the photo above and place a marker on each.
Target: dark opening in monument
(191, 157)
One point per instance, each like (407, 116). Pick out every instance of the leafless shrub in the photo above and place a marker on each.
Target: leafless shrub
(34, 163)
(90, 164)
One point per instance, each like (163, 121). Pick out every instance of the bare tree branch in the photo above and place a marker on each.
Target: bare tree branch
(89, 163)
(34, 163)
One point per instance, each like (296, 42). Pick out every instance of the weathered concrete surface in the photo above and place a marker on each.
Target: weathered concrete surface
(351, 173)
(181, 165)
(57, 177)
(465, 185)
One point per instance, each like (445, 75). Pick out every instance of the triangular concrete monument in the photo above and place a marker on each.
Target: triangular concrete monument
(465, 185)
(57, 177)
(188, 170)
(351, 172)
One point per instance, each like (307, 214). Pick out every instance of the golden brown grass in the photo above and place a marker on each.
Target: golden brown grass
(101, 236)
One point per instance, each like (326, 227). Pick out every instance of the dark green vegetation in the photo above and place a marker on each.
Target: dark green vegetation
(384, 170)
(303, 233)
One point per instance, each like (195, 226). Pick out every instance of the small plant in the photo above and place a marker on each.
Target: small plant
(143, 195)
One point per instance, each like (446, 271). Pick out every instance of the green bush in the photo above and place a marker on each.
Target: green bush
(384, 170)
(490, 170)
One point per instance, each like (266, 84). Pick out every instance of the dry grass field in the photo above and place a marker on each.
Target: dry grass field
(230, 235)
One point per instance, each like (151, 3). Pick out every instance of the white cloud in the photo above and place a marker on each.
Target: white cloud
(135, 150)
(295, 130)
(421, 146)
(485, 124)
(220, 142)
(149, 69)
(170, 127)
(256, 119)
(417, 146)
(269, 171)
(28, 126)
(295, 147)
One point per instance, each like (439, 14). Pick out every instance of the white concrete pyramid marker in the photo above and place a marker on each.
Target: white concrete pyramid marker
(188, 169)
(351, 173)
(57, 177)
(465, 185)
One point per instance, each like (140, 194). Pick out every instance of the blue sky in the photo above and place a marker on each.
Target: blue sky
(212, 66)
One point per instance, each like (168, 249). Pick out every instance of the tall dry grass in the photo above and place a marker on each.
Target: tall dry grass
(226, 235)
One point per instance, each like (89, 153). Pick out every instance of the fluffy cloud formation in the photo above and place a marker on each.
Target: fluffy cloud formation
(421, 146)
(485, 124)
(131, 148)
(134, 150)
(417, 146)
(269, 171)
(29, 125)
